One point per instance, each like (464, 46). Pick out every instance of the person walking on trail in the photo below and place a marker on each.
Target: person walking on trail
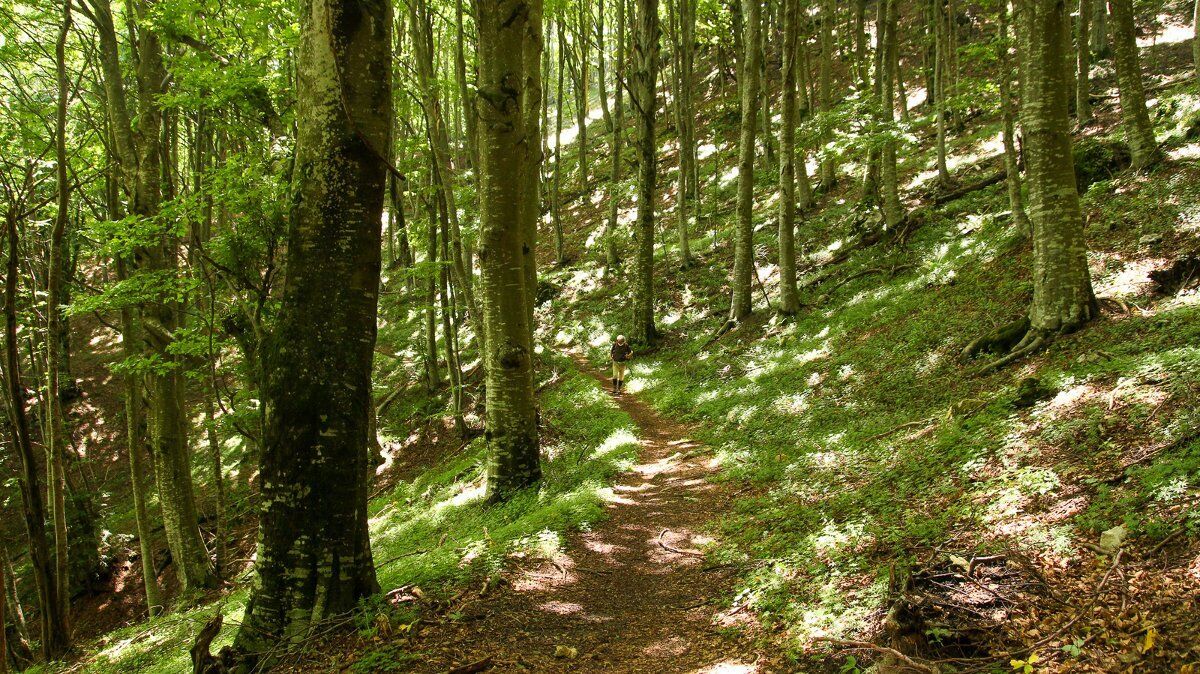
(620, 355)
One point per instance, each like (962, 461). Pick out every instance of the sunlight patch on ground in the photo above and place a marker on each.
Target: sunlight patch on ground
(728, 667)
(620, 438)
(1171, 33)
(1130, 278)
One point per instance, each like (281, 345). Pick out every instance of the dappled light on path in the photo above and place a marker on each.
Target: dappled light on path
(634, 594)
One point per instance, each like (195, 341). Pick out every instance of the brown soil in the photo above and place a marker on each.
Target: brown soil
(632, 595)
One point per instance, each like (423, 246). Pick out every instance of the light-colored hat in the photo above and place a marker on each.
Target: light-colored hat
(620, 338)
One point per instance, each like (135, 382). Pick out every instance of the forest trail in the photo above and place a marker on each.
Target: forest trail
(632, 595)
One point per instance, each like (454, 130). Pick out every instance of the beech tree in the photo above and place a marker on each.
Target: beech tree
(508, 87)
(1134, 117)
(314, 554)
(1063, 300)
(743, 256)
(644, 98)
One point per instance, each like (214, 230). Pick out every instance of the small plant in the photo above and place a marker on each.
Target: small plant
(390, 658)
(1025, 666)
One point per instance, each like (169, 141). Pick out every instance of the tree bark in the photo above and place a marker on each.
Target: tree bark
(1083, 65)
(55, 639)
(1062, 289)
(314, 553)
(893, 210)
(56, 427)
(789, 302)
(645, 102)
(1012, 169)
(1134, 117)
(743, 255)
(611, 251)
(509, 60)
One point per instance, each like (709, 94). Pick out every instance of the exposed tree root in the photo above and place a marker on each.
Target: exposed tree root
(1030, 344)
(998, 340)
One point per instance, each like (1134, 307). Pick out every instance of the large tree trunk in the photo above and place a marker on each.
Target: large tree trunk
(743, 255)
(645, 102)
(314, 553)
(508, 85)
(1062, 287)
(1134, 117)
(789, 302)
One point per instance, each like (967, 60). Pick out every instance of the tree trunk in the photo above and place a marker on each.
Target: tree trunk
(581, 90)
(601, 66)
(645, 102)
(439, 144)
(558, 155)
(893, 211)
(681, 85)
(1012, 170)
(1083, 65)
(611, 252)
(941, 55)
(1134, 117)
(314, 553)
(789, 302)
(1099, 33)
(1062, 288)
(54, 636)
(1196, 39)
(509, 52)
(824, 85)
(56, 427)
(743, 255)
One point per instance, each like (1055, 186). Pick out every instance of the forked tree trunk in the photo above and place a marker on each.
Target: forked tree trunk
(508, 82)
(1062, 288)
(743, 254)
(54, 637)
(314, 553)
(1134, 117)
(645, 102)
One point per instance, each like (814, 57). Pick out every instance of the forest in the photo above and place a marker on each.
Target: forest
(697, 336)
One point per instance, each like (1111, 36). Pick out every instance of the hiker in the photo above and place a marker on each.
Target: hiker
(620, 354)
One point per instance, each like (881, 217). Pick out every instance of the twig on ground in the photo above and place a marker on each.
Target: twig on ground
(677, 551)
(867, 645)
(397, 558)
(897, 429)
(473, 667)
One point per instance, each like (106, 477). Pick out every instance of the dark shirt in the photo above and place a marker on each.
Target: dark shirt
(620, 352)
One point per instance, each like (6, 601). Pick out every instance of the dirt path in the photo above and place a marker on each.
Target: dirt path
(633, 595)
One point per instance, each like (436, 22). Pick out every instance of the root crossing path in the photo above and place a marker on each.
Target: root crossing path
(632, 595)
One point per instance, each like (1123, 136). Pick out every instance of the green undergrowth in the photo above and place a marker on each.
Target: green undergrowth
(861, 440)
(434, 531)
